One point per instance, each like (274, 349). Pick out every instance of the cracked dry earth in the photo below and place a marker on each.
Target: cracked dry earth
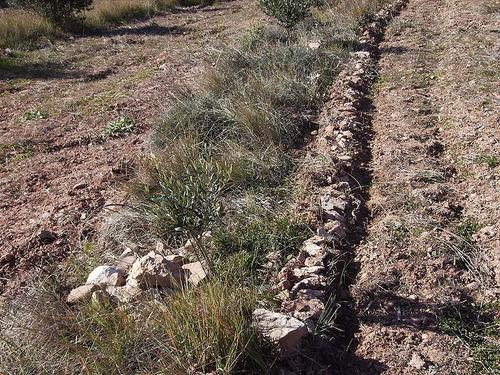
(432, 238)
(57, 173)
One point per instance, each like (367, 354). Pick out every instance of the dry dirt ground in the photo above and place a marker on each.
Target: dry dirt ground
(56, 171)
(432, 241)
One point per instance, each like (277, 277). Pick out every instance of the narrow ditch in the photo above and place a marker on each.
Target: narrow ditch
(341, 191)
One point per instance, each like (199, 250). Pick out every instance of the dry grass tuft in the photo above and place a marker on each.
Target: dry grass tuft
(207, 329)
(20, 29)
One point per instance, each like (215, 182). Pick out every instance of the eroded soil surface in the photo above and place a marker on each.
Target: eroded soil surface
(56, 170)
(432, 243)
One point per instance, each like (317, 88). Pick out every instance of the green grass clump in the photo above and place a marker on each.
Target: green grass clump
(491, 161)
(478, 330)
(118, 128)
(34, 114)
(207, 329)
(254, 239)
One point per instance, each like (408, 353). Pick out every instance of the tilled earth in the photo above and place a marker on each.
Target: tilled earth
(56, 170)
(431, 244)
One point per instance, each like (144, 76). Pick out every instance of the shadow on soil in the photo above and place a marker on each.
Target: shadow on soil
(394, 50)
(149, 30)
(11, 68)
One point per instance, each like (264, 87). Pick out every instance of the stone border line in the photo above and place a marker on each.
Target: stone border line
(306, 282)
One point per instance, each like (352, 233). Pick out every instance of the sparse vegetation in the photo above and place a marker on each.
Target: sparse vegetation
(20, 29)
(42, 20)
(478, 329)
(117, 128)
(206, 329)
(34, 114)
(491, 161)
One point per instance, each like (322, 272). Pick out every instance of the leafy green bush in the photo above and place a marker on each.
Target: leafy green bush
(287, 12)
(59, 12)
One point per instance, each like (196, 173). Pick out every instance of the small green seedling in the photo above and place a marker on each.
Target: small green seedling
(34, 114)
(491, 161)
(118, 128)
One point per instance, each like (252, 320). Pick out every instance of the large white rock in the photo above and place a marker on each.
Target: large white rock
(284, 330)
(195, 272)
(156, 270)
(107, 275)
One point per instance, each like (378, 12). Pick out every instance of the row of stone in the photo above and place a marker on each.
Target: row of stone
(130, 275)
(303, 283)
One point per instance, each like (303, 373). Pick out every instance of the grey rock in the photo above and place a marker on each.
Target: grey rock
(284, 330)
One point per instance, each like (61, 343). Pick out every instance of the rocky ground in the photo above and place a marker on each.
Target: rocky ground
(409, 200)
(56, 171)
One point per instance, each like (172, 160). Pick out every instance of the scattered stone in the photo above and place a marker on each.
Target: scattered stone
(304, 308)
(417, 361)
(155, 270)
(81, 293)
(311, 293)
(124, 294)
(305, 272)
(313, 282)
(314, 45)
(79, 185)
(126, 260)
(316, 261)
(196, 272)
(286, 331)
(107, 275)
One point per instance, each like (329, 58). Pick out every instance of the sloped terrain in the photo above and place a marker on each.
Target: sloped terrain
(369, 227)
(57, 171)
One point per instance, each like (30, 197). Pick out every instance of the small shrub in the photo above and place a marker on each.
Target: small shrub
(287, 12)
(118, 127)
(59, 12)
(190, 202)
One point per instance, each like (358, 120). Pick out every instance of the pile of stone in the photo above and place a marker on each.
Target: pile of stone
(306, 281)
(129, 276)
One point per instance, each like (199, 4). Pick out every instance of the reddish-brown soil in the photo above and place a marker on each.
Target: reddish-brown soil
(57, 173)
(432, 239)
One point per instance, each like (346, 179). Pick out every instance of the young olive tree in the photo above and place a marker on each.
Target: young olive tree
(287, 12)
(192, 203)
